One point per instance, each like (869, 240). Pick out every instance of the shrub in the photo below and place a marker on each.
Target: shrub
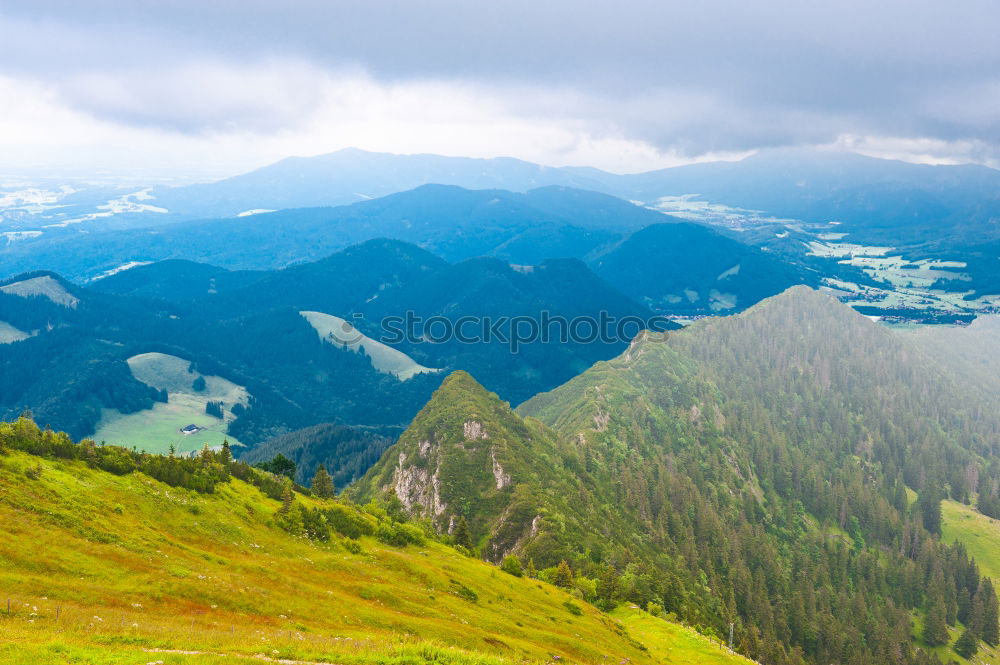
(399, 535)
(314, 524)
(511, 565)
(464, 592)
(348, 522)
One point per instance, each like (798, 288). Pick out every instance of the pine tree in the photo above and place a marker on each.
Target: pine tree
(935, 626)
(322, 483)
(462, 535)
(530, 571)
(967, 645)
(227, 452)
(563, 576)
(929, 501)
(977, 614)
(991, 610)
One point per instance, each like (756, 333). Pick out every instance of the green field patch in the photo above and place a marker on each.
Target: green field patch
(9, 334)
(385, 359)
(159, 428)
(980, 535)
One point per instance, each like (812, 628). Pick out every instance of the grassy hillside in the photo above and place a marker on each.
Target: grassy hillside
(101, 568)
(385, 359)
(980, 535)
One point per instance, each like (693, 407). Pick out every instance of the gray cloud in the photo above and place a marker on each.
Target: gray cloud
(694, 77)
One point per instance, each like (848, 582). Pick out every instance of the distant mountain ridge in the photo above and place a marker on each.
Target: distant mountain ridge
(450, 221)
(668, 264)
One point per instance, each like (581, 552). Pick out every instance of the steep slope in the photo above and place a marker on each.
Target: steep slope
(751, 469)
(467, 455)
(686, 267)
(104, 568)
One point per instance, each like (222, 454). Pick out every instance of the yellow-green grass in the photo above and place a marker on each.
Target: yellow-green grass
(158, 428)
(980, 535)
(124, 569)
(675, 643)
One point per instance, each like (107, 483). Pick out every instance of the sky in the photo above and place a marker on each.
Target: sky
(201, 89)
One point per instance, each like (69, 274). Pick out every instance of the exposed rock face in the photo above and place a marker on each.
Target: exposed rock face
(502, 477)
(474, 430)
(463, 458)
(417, 489)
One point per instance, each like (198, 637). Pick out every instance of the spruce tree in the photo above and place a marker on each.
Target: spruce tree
(563, 576)
(322, 483)
(991, 610)
(463, 536)
(929, 501)
(530, 571)
(977, 615)
(227, 452)
(935, 626)
(967, 645)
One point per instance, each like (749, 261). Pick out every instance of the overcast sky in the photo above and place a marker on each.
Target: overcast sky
(212, 87)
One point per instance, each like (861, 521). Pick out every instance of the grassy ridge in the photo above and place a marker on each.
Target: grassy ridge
(124, 569)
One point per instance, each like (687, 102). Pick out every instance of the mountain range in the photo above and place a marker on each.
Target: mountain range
(74, 358)
(870, 228)
(315, 405)
(748, 470)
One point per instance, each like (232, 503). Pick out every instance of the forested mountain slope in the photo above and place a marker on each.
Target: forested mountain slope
(70, 363)
(689, 268)
(751, 469)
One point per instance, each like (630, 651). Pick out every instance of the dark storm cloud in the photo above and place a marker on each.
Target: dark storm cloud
(696, 76)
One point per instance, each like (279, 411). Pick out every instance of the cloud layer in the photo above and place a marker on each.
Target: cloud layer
(624, 86)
